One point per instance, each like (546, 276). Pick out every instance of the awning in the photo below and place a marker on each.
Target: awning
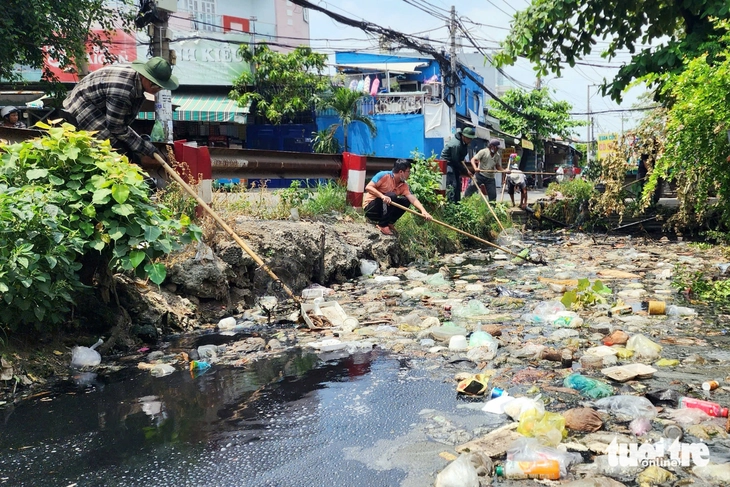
(404, 67)
(202, 108)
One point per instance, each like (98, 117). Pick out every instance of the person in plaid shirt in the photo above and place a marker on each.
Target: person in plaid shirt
(108, 100)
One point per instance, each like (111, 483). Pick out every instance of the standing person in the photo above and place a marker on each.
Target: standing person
(11, 116)
(484, 162)
(516, 179)
(387, 187)
(108, 100)
(454, 153)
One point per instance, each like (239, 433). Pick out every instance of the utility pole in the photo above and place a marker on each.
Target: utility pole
(453, 77)
(161, 47)
(588, 125)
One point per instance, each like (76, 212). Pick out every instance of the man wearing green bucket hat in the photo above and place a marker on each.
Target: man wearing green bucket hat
(453, 153)
(108, 100)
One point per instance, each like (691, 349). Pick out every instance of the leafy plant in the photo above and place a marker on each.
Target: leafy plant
(326, 198)
(701, 286)
(281, 86)
(558, 33)
(537, 115)
(585, 294)
(60, 29)
(325, 142)
(64, 196)
(576, 193)
(425, 180)
(344, 102)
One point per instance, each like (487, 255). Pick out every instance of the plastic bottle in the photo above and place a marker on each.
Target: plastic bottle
(545, 469)
(673, 310)
(711, 408)
(710, 385)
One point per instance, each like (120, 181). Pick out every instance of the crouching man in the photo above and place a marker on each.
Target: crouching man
(387, 187)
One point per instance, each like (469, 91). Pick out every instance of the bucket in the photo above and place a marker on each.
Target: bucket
(657, 307)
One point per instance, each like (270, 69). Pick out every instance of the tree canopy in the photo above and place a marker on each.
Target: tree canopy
(539, 117)
(281, 85)
(62, 29)
(551, 33)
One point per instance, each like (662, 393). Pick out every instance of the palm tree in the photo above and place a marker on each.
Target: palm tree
(344, 103)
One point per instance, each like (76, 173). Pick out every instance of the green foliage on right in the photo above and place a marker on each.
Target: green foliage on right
(702, 286)
(556, 33)
(65, 195)
(697, 143)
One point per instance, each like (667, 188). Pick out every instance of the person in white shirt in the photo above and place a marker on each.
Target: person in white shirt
(516, 179)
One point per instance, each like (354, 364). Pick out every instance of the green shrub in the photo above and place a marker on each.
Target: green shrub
(576, 192)
(66, 195)
(326, 198)
(425, 181)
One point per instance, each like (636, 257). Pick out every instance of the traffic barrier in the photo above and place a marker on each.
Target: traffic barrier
(353, 172)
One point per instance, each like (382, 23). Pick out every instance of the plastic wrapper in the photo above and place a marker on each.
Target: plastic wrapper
(520, 405)
(548, 428)
(465, 471)
(644, 347)
(593, 388)
(640, 426)
(473, 308)
(529, 449)
(628, 407)
(688, 416)
(654, 475)
(544, 312)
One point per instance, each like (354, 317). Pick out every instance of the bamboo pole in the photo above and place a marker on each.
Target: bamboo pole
(523, 172)
(478, 239)
(484, 197)
(223, 225)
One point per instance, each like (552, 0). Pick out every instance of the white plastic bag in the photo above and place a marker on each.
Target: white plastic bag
(86, 356)
(465, 471)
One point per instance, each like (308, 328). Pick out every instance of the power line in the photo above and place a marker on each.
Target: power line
(618, 110)
(408, 41)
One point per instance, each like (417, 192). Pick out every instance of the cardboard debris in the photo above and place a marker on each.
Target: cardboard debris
(622, 373)
(494, 444)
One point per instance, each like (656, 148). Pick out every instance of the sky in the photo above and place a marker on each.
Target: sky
(488, 22)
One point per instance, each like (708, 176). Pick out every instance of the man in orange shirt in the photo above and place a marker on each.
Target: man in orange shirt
(387, 187)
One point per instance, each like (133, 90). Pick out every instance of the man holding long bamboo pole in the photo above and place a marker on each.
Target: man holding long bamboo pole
(388, 187)
(484, 163)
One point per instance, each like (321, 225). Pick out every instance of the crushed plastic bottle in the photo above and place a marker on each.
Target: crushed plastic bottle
(711, 408)
(673, 310)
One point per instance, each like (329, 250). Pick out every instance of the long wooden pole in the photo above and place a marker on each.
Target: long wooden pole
(523, 172)
(484, 197)
(223, 225)
(486, 242)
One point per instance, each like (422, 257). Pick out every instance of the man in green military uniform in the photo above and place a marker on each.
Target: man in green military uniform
(454, 153)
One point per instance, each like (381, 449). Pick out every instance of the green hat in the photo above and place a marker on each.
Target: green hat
(469, 133)
(158, 71)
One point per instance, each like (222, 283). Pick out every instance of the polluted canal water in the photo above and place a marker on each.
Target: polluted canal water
(479, 370)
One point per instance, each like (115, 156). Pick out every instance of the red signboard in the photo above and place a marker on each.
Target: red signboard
(123, 46)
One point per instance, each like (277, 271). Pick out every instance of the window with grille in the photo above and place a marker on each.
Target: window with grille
(204, 14)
